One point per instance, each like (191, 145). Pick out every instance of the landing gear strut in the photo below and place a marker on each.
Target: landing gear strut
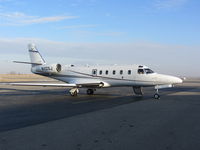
(90, 91)
(74, 92)
(157, 96)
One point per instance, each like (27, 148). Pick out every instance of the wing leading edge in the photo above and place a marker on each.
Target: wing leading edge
(99, 84)
(44, 84)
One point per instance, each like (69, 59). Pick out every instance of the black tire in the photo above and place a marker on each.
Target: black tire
(74, 93)
(90, 91)
(157, 96)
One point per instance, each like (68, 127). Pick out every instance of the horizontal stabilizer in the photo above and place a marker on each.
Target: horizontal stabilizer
(22, 62)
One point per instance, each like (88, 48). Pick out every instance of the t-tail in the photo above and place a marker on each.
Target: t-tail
(39, 65)
(35, 56)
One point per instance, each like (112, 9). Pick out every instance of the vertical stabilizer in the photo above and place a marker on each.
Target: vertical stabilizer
(35, 56)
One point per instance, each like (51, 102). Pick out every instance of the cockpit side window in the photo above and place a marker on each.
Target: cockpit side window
(148, 71)
(140, 71)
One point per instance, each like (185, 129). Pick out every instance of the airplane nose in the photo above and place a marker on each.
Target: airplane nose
(177, 80)
(169, 79)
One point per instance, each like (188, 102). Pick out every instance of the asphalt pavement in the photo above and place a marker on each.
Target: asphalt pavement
(49, 118)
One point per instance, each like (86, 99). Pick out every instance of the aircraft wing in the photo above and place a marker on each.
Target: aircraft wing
(79, 85)
(88, 83)
(44, 84)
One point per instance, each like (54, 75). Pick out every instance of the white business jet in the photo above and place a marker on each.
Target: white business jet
(94, 77)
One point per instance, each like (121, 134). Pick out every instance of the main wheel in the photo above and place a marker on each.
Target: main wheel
(90, 91)
(157, 96)
(74, 92)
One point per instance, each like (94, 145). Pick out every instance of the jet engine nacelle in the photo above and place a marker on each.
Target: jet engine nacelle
(52, 68)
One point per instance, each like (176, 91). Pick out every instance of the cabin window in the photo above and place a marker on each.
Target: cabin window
(100, 72)
(121, 72)
(129, 72)
(94, 71)
(114, 72)
(106, 72)
(140, 71)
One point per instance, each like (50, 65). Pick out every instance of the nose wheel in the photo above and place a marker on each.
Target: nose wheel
(157, 96)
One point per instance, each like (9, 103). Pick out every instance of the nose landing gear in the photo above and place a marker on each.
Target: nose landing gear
(157, 96)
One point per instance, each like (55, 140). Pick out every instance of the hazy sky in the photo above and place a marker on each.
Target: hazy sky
(162, 34)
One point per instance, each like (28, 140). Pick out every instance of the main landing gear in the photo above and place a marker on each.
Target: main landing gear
(90, 91)
(138, 91)
(75, 91)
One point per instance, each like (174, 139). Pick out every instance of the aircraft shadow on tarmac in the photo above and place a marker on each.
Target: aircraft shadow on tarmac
(18, 92)
(55, 105)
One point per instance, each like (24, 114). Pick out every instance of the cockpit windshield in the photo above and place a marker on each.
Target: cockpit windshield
(148, 71)
(145, 71)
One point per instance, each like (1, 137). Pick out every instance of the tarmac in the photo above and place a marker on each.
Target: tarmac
(43, 118)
